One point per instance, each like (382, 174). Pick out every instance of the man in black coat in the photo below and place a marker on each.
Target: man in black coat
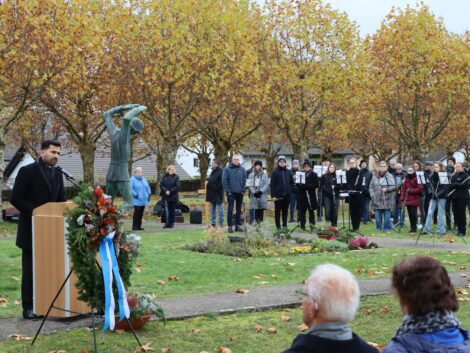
(215, 192)
(458, 194)
(35, 185)
(354, 180)
(282, 184)
(306, 196)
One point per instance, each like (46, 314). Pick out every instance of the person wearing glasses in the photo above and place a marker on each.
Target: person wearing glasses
(330, 300)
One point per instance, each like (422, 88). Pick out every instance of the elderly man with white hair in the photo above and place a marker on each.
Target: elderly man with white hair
(330, 300)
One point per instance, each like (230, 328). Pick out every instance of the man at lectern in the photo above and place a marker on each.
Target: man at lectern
(36, 184)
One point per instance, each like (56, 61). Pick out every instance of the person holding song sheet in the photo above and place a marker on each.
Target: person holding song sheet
(382, 193)
(282, 184)
(410, 195)
(439, 197)
(306, 196)
(458, 194)
(354, 180)
(330, 193)
(258, 181)
(365, 191)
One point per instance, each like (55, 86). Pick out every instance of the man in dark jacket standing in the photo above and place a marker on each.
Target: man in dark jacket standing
(367, 177)
(282, 184)
(458, 194)
(35, 185)
(215, 192)
(329, 302)
(307, 196)
(233, 180)
(354, 180)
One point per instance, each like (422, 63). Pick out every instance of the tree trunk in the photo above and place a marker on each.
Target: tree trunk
(221, 149)
(2, 168)
(87, 153)
(300, 151)
(166, 156)
(203, 167)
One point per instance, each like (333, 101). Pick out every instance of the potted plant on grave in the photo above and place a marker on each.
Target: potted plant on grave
(329, 233)
(142, 307)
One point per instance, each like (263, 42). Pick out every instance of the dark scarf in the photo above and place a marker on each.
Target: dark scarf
(429, 323)
(411, 176)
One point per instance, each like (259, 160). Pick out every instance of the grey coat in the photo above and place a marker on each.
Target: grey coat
(382, 200)
(260, 179)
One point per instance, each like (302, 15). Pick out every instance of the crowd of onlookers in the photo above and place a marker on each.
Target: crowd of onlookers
(427, 299)
(430, 194)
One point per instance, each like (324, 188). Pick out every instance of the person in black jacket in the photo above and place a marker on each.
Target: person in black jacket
(169, 186)
(215, 193)
(282, 184)
(367, 174)
(450, 169)
(458, 193)
(307, 196)
(355, 181)
(438, 200)
(329, 302)
(35, 185)
(330, 194)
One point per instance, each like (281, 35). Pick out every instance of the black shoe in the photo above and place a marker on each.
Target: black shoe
(171, 226)
(29, 315)
(239, 229)
(166, 226)
(213, 225)
(135, 228)
(412, 231)
(141, 229)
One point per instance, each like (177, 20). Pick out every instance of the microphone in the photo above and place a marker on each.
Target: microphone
(65, 173)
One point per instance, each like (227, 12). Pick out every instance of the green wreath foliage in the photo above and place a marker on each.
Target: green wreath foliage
(87, 224)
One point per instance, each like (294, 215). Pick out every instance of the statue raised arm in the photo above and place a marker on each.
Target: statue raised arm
(117, 178)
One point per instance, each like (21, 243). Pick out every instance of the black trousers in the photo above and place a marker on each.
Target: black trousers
(281, 206)
(302, 219)
(413, 215)
(459, 208)
(331, 209)
(449, 215)
(137, 217)
(355, 210)
(171, 213)
(259, 215)
(27, 279)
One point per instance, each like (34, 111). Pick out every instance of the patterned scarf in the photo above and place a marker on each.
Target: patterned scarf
(429, 323)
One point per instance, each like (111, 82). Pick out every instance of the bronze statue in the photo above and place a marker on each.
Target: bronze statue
(117, 178)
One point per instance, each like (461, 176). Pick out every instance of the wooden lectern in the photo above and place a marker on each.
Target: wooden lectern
(51, 263)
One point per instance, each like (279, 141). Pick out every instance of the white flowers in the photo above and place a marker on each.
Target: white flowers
(80, 220)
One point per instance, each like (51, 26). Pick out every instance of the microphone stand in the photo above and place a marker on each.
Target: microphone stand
(69, 178)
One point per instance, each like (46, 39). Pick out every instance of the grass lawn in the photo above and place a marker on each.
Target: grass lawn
(162, 256)
(376, 321)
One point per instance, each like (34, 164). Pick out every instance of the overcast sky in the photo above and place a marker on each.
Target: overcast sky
(368, 14)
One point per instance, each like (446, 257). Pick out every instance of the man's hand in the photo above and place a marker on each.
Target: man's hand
(121, 108)
(274, 199)
(384, 189)
(167, 193)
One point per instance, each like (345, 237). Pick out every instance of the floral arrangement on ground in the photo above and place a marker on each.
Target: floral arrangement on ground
(93, 218)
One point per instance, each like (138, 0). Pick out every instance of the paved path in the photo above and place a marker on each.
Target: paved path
(221, 303)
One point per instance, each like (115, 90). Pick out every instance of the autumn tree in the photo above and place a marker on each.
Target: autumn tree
(310, 67)
(418, 74)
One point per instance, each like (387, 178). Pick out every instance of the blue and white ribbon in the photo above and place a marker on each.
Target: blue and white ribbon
(109, 266)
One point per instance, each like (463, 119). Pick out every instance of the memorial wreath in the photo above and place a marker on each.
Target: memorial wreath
(89, 225)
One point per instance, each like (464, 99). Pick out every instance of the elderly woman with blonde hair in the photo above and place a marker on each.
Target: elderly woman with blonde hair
(169, 186)
(140, 190)
(329, 302)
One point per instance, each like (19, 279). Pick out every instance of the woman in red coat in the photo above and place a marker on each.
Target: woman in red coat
(411, 191)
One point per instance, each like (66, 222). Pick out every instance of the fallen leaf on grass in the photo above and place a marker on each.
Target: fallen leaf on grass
(18, 337)
(452, 263)
(272, 330)
(14, 278)
(144, 348)
(17, 302)
(60, 351)
(385, 310)
(463, 268)
(119, 331)
(380, 347)
(450, 240)
(237, 259)
(303, 328)
(258, 328)
(161, 282)
(173, 278)
(285, 318)
(223, 350)
(3, 300)
(273, 276)
(196, 330)
(393, 255)
(166, 350)
(367, 311)
(138, 268)
(263, 282)
(242, 291)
